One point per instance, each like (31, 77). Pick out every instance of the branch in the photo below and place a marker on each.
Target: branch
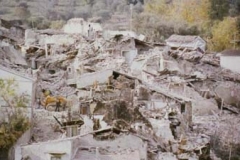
(7, 101)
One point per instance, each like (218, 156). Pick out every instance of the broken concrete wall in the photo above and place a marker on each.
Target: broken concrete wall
(200, 105)
(186, 116)
(229, 93)
(118, 110)
(15, 152)
(31, 37)
(124, 111)
(136, 67)
(129, 55)
(109, 150)
(42, 151)
(142, 93)
(204, 107)
(89, 79)
(126, 95)
(61, 39)
(230, 62)
(10, 54)
(80, 26)
(73, 102)
(155, 104)
(162, 130)
(34, 38)
(181, 67)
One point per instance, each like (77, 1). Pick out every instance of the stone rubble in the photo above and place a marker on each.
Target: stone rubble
(170, 98)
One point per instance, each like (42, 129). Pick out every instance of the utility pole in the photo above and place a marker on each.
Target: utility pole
(33, 100)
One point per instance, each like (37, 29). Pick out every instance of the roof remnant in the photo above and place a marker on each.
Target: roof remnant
(189, 42)
(230, 53)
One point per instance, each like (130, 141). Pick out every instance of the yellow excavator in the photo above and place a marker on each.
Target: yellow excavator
(59, 102)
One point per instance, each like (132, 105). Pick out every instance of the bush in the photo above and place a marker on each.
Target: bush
(14, 123)
(223, 34)
(38, 22)
(158, 28)
(12, 130)
(57, 24)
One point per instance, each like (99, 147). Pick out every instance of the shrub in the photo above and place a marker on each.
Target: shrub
(57, 24)
(223, 34)
(38, 22)
(15, 122)
(158, 28)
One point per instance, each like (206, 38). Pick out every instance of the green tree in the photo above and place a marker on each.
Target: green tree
(219, 9)
(13, 123)
(234, 8)
(159, 7)
(223, 33)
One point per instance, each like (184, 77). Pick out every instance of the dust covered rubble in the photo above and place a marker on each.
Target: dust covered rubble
(158, 94)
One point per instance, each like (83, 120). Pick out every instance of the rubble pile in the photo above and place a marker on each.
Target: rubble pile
(123, 86)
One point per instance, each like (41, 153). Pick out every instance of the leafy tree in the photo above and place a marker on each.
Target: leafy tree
(157, 7)
(219, 9)
(223, 34)
(194, 11)
(185, 17)
(14, 122)
(234, 8)
(191, 12)
(38, 22)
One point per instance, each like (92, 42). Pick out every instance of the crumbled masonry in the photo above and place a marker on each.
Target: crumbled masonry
(118, 96)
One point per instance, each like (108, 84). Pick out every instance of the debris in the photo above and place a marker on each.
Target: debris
(119, 87)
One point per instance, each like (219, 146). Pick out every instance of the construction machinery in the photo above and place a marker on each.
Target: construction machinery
(49, 102)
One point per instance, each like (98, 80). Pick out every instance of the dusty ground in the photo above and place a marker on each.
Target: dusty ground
(46, 127)
(224, 131)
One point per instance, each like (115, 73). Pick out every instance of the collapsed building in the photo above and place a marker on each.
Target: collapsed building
(126, 98)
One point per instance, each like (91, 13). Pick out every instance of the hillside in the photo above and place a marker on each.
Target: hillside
(34, 11)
